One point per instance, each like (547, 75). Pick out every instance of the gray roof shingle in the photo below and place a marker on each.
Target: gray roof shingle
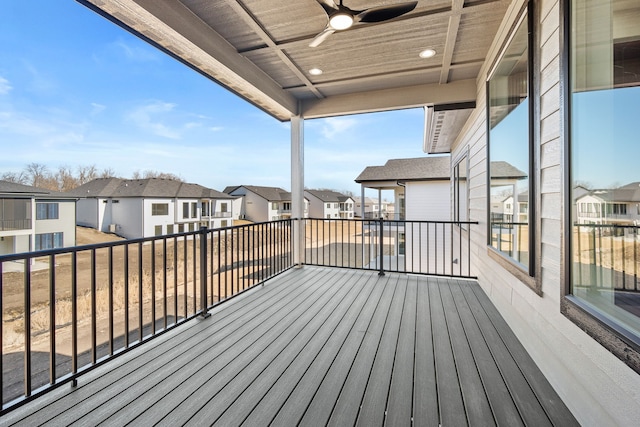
(150, 187)
(8, 188)
(416, 169)
(328, 195)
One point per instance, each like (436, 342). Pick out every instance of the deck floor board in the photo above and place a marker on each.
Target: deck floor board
(321, 346)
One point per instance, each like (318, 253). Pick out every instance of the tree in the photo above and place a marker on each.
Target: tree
(38, 174)
(155, 174)
(15, 177)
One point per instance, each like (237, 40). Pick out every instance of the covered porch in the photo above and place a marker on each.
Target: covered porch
(321, 346)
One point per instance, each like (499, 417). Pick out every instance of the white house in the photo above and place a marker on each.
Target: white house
(261, 204)
(134, 208)
(421, 186)
(619, 206)
(33, 219)
(329, 204)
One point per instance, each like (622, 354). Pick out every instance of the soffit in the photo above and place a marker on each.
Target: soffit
(259, 50)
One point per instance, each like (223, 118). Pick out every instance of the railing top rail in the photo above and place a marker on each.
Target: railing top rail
(115, 243)
(608, 225)
(401, 221)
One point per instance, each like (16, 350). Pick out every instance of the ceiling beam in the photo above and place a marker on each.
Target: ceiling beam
(450, 43)
(440, 13)
(239, 8)
(390, 99)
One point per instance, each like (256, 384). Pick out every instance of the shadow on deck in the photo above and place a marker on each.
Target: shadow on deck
(320, 346)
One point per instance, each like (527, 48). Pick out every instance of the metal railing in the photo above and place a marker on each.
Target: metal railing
(606, 256)
(439, 248)
(66, 311)
(15, 224)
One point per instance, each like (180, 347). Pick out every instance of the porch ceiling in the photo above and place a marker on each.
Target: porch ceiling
(259, 49)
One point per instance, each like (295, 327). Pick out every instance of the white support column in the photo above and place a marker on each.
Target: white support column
(297, 187)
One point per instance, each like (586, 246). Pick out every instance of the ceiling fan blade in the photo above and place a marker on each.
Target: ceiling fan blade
(322, 36)
(384, 13)
(329, 6)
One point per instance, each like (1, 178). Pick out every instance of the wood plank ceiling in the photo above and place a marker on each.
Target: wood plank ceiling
(260, 50)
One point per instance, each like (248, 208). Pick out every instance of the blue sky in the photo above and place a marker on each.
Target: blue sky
(77, 90)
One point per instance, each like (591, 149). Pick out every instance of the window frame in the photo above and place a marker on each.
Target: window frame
(530, 274)
(51, 211)
(621, 342)
(156, 206)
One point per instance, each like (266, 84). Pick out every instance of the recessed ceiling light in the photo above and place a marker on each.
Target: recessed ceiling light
(315, 71)
(427, 53)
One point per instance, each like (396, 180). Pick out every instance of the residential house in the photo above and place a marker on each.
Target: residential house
(421, 186)
(329, 204)
(548, 86)
(617, 206)
(261, 204)
(32, 219)
(135, 208)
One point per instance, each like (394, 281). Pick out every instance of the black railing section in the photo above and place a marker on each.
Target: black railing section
(66, 311)
(606, 256)
(15, 224)
(439, 248)
(512, 238)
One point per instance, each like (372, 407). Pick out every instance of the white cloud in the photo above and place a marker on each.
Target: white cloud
(145, 117)
(5, 86)
(97, 108)
(138, 53)
(334, 126)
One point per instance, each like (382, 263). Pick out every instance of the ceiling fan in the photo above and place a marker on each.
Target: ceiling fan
(341, 17)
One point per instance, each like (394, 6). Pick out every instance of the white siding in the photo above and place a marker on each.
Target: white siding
(87, 213)
(430, 201)
(597, 387)
(128, 215)
(66, 222)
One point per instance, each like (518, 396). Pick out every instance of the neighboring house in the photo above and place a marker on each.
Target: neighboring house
(261, 204)
(374, 208)
(421, 187)
(619, 206)
(134, 208)
(33, 219)
(329, 204)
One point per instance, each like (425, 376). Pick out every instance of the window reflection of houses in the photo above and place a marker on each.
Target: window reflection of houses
(617, 206)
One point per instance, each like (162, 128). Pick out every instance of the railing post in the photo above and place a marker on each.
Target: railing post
(203, 272)
(381, 247)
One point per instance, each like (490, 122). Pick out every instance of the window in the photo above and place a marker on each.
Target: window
(274, 206)
(49, 241)
(192, 226)
(460, 194)
(328, 205)
(335, 205)
(180, 228)
(46, 211)
(223, 223)
(205, 208)
(223, 207)
(287, 206)
(604, 101)
(185, 209)
(158, 230)
(510, 149)
(170, 229)
(158, 209)
(15, 214)
(194, 210)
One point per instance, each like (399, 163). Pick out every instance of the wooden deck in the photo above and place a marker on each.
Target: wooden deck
(321, 346)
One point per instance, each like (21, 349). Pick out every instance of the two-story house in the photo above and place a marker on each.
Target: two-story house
(33, 219)
(329, 204)
(261, 204)
(134, 208)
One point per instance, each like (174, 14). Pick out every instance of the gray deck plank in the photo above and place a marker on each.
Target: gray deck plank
(400, 401)
(265, 370)
(182, 374)
(503, 408)
(374, 403)
(473, 392)
(319, 346)
(425, 394)
(548, 398)
(345, 411)
(449, 395)
(196, 379)
(267, 395)
(525, 399)
(321, 399)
